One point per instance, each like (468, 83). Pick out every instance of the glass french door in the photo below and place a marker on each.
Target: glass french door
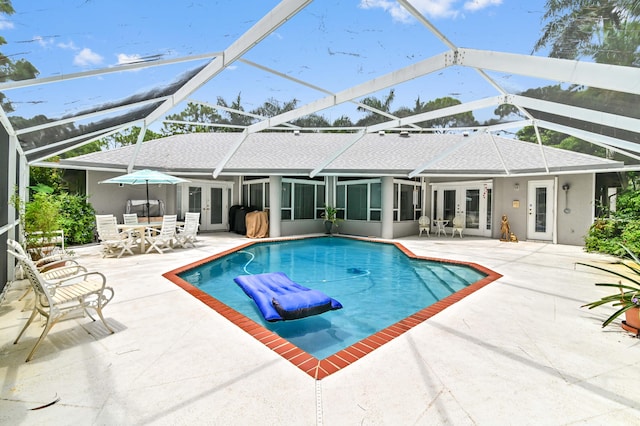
(471, 200)
(211, 200)
(540, 196)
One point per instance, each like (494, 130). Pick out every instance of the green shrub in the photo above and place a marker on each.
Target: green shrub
(621, 228)
(631, 236)
(77, 218)
(628, 205)
(605, 236)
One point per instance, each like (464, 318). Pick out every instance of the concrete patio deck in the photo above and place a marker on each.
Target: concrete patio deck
(519, 351)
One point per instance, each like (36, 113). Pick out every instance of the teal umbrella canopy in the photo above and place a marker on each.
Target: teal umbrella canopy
(146, 177)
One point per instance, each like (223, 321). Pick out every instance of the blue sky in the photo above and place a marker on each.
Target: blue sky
(331, 44)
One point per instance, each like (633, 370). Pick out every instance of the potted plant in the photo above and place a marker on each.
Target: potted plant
(330, 218)
(627, 296)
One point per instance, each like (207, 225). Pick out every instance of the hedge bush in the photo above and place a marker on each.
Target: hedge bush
(622, 226)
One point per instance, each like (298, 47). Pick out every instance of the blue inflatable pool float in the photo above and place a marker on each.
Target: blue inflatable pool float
(279, 298)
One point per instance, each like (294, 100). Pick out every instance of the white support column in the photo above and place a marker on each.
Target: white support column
(386, 188)
(12, 162)
(275, 204)
(330, 191)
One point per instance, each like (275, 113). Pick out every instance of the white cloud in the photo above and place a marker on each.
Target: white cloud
(69, 46)
(430, 8)
(123, 58)
(6, 25)
(43, 42)
(397, 12)
(87, 57)
(475, 5)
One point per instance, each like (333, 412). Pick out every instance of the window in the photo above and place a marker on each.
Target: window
(357, 202)
(255, 193)
(302, 199)
(360, 199)
(406, 201)
(320, 201)
(285, 202)
(375, 204)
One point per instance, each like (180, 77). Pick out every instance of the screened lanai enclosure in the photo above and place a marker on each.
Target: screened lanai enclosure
(78, 72)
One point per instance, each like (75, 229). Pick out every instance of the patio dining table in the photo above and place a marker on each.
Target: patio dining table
(440, 226)
(140, 229)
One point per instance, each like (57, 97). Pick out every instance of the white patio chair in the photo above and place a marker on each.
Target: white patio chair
(424, 223)
(55, 301)
(130, 218)
(458, 225)
(166, 237)
(113, 241)
(187, 234)
(53, 268)
(56, 266)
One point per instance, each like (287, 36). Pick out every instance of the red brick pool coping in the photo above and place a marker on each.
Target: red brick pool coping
(319, 369)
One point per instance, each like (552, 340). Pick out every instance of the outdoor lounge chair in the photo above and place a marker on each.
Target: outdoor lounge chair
(188, 232)
(55, 301)
(113, 241)
(166, 237)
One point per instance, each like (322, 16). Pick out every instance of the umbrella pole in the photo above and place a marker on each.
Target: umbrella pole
(148, 205)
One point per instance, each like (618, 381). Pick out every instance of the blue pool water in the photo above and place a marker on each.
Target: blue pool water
(376, 283)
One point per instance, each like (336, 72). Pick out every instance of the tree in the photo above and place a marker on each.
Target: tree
(463, 119)
(193, 113)
(372, 117)
(621, 47)
(505, 110)
(45, 136)
(547, 137)
(342, 121)
(10, 70)
(591, 98)
(311, 120)
(46, 177)
(592, 28)
(273, 107)
(234, 117)
(571, 143)
(127, 137)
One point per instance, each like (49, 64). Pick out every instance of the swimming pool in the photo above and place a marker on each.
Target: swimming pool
(380, 285)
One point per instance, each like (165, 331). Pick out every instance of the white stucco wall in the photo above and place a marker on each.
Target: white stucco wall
(112, 199)
(574, 224)
(505, 193)
(571, 226)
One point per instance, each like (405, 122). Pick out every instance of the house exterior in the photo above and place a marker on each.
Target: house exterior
(381, 183)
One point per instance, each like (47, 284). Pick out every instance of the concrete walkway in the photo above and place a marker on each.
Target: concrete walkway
(520, 351)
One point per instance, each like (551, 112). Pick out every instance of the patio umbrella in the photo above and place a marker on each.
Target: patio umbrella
(145, 177)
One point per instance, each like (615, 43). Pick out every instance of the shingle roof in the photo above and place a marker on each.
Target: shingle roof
(389, 154)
